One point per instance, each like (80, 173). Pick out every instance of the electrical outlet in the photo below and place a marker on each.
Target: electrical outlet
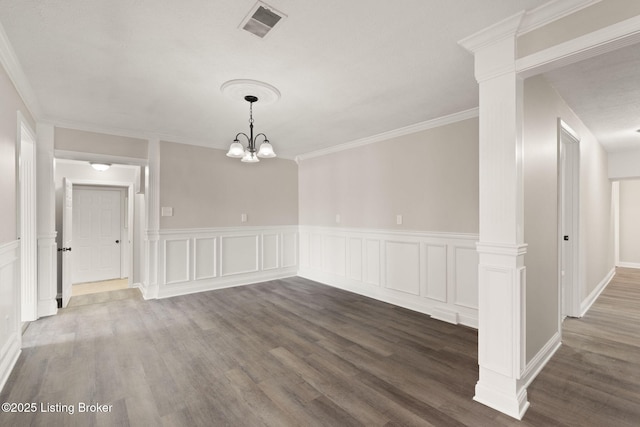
(399, 219)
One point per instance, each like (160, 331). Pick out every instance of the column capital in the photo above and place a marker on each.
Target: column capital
(494, 48)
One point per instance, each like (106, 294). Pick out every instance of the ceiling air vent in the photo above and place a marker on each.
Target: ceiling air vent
(261, 19)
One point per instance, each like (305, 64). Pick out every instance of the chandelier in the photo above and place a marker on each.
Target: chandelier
(249, 154)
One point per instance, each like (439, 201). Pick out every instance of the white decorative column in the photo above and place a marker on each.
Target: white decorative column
(46, 222)
(152, 217)
(501, 280)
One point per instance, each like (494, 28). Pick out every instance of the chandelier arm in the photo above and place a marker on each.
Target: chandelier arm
(243, 134)
(255, 140)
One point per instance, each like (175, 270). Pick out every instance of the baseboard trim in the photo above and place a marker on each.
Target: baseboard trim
(10, 354)
(540, 360)
(593, 296)
(47, 308)
(193, 287)
(629, 264)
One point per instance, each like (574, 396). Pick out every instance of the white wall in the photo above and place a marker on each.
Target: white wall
(624, 164)
(629, 225)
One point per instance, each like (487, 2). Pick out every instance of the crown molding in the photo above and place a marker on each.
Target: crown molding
(16, 74)
(487, 36)
(551, 11)
(418, 127)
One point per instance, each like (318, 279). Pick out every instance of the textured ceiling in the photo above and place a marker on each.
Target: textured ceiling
(605, 93)
(346, 69)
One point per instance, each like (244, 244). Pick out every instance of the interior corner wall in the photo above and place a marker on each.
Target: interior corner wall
(429, 177)
(542, 108)
(629, 225)
(207, 189)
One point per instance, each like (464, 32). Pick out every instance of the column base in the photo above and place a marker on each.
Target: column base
(503, 394)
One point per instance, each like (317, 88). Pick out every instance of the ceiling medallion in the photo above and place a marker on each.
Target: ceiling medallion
(239, 89)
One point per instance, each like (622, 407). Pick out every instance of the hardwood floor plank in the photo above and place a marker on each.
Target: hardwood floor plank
(296, 353)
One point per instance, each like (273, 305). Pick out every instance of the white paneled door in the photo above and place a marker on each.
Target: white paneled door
(97, 234)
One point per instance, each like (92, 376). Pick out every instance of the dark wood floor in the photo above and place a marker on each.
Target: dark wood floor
(293, 352)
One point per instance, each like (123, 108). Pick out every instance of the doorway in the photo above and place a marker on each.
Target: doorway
(569, 230)
(101, 250)
(76, 181)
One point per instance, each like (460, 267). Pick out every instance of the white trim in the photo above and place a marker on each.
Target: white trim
(566, 135)
(605, 40)
(418, 127)
(223, 230)
(11, 348)
(16, 74)
(540, 360)
(593, 296)
(27, 209)
(615, 196)
(495, 33)
(551, 11)
(398, 233)
(628, 264)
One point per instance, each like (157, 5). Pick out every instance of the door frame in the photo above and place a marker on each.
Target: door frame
(129, 197)
(27, 221)
(569, 300)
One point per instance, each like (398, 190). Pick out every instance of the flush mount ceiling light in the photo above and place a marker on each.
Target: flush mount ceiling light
(101, 167)
(251, 91)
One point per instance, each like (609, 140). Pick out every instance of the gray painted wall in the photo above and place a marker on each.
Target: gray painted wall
(542, 108)
(206, 188)
(430, 178)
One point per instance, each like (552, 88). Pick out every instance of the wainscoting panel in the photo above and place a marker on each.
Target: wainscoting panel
(355, 259)
(465, 278)
(270, 251)
(206, 257)
(372, 257)
(290, 250)
(239, 254)
(196, 260)
(433, 273)
(10, 332)
(335, 250)
(176, 260)
(436, 272)
(403, 267)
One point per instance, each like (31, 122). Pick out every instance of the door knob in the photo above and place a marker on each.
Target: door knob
(117, 241)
